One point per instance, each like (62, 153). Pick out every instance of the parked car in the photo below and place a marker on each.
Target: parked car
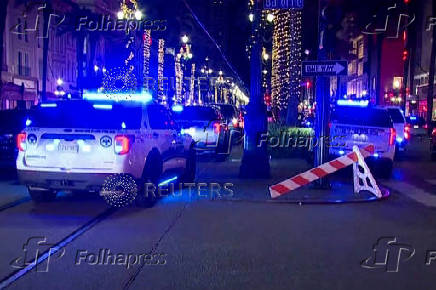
(364, 126)
(11, 123)
(77, 145)
(234, 120)
(418, 125)
(401, 127)
(208, 129)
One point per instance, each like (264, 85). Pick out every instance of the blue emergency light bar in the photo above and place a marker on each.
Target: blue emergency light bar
(102, 106)
(143, 97)
(355, 103)
(49, 105)
(177, 108)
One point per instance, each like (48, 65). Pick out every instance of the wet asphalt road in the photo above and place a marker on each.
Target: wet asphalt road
(211, 244)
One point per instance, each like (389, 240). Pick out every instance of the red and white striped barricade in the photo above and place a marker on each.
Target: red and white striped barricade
(355, 158)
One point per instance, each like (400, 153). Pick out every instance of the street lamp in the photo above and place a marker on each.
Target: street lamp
(270, 17)
(251, 17)
(59, 81)
(185, 39)
(138, 15)
(265, 56)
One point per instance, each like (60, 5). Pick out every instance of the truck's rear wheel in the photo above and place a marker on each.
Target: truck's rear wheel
(147, 195)
(385, 169)
(42, 195)
(191, 166)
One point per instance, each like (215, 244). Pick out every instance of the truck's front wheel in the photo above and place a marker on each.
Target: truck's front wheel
(42, 195)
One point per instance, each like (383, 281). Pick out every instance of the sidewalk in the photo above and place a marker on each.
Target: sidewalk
(281, 169)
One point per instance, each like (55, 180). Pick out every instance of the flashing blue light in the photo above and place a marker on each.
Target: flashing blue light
(177, 108)
(123, 125)
(143, 97)
(376, 155)
(399, 140)
(341, 152)
(165, 182)
(28, 122)
(102, 107)
(49, 105)
(360, 103)
(413, 118)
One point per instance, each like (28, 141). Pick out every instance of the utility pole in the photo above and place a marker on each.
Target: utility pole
(431, 76)
(322, 98)
(45, 42)
(255, 161)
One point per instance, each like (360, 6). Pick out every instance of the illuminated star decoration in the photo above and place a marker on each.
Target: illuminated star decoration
(119, 190)
(119, 80)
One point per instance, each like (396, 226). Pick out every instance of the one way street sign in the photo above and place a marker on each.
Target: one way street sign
(324, 68)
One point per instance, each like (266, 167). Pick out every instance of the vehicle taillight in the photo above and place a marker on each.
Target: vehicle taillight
(21, 141)
(425, 126)
(407, 132)
(392, 136)
(216, 128)
(122, 144)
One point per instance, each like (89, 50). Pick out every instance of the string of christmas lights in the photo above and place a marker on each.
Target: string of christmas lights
(160, 72)
(192, 86)
(179, 79)
(119, 80)
(123, 80)
(286, 58)
(146, 55)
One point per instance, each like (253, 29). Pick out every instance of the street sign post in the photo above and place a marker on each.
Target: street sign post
(324, 68)
(283, 4)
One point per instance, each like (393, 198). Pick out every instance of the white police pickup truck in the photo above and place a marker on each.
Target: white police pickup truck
(76, 145)
(364, 125)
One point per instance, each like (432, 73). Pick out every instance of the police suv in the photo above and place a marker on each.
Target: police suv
(355, 123)
(76, 145)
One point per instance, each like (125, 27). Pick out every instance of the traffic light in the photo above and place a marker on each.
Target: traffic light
(405, 54)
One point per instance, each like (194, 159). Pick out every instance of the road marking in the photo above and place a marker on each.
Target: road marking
(413, 192)
(14, 203)
(14, 276)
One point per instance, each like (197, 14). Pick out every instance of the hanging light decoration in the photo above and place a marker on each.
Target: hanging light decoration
(286, 57)
(179, 79)
(160, 72)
